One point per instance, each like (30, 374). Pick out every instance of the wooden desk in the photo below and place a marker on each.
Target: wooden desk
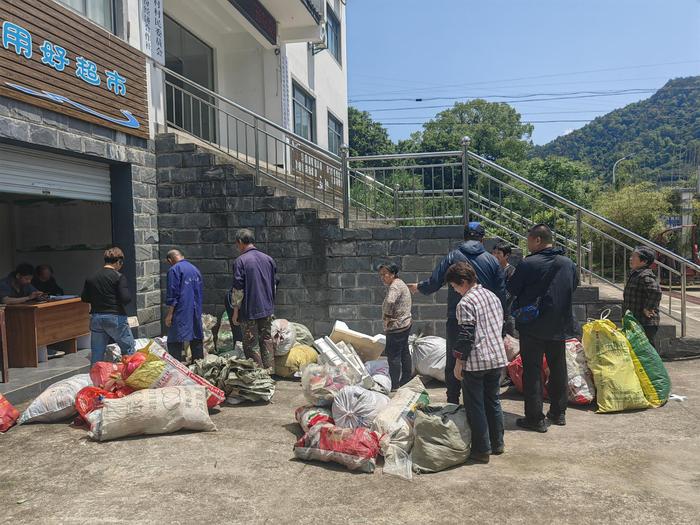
(4, 374)
(30, 326)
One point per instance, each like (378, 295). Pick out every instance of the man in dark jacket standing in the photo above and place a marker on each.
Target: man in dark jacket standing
(550, 276)
(489, 274)
(253, 299)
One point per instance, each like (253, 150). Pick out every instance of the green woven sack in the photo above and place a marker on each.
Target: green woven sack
(442, 438)
(652, 374)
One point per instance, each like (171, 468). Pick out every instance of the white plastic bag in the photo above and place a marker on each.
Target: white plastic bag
(283, 336)
(512, 346)
(382, 384)
(158, 411)
(397, 462)
(396, 419)
(355, 407)
(378, 366)
(57, 402)
(430, 355)
(581, 386)
(321, 383)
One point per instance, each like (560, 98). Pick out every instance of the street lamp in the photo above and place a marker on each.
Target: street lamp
(615, 166)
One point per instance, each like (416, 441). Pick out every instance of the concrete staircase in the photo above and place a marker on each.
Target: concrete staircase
(272, 196)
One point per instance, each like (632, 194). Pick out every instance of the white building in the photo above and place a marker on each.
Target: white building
(282, 59)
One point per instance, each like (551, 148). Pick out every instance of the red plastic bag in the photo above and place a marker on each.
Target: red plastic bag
(356, 448)
(515, 371)
(107, 375)
(90, 399)
(132, 362)
(8, 414)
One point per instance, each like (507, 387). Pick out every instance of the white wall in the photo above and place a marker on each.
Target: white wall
(324, 78)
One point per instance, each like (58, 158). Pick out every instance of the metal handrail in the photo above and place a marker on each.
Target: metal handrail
(329, 155)
(591, 214)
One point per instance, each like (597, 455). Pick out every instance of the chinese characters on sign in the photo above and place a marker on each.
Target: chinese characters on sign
(55, 56)
(152, 36)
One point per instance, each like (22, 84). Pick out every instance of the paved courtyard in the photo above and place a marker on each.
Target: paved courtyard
(641, 467)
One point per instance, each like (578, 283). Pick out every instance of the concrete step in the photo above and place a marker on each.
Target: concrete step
(679, 348)
(27, 383)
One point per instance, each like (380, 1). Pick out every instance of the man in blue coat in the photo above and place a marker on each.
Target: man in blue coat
(184, 301)
(489, 274)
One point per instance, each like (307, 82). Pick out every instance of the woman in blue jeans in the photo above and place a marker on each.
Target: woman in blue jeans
(107, 292)
(479, 357)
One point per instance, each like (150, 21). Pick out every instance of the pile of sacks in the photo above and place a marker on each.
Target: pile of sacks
(617, 368)
(627, 370)
(350, 420)
(148, 392)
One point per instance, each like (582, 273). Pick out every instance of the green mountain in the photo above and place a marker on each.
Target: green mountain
(661, 134)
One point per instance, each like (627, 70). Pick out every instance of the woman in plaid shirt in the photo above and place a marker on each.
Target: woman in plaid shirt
(642, 294)
(480, 355)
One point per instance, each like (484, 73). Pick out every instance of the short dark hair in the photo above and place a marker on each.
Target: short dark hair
(646, 255)
(504, 248)
(113, 255)
(174, 253)
(24, 269)
(245, 236)
(460, 272)
(542, 231)
(41, 268)
(392, 268)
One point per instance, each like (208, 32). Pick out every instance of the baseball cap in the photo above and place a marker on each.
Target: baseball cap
(474, 229)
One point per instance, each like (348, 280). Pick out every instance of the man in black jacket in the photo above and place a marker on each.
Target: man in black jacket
(489, 274)
(550, 276)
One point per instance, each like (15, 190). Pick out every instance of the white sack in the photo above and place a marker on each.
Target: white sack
(355, 406)
(430, 355)
(57, 402)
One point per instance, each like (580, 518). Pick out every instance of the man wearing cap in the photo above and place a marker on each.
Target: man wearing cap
(489, 274)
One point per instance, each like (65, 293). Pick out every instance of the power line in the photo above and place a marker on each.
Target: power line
(552, 75)
(523, 122)
(521, 100)
(523, 97)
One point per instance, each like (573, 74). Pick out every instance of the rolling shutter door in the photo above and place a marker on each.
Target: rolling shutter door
(35, 172)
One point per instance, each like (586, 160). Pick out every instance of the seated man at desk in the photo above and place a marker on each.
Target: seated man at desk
(44, 280)
(17, 287)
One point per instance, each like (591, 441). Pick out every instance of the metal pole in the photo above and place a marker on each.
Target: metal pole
(615, 166)
(579, 246)
(465, 177)
(684, 297)
(346, 185)
(590, 262)
(257, 153)
(396, 201)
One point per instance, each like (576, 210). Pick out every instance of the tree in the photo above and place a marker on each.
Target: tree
(495, 129)
(662, 132)
(638, 208)
(367, 137)
(572, 180)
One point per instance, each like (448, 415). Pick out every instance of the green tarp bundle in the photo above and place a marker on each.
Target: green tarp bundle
(240, 379)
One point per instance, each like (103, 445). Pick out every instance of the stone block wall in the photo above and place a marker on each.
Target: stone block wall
(130, 158)
(326, 272)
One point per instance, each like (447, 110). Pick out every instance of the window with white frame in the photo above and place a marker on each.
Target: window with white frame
(333, 34)
(99, 11)
(335, 134)
(304, 108)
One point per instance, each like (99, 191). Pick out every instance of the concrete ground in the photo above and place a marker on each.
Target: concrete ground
(641, 467)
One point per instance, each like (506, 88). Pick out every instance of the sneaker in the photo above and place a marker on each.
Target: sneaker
(497, 451)
(56, 353)
(559, 420)
(479, 458)
(537, 426)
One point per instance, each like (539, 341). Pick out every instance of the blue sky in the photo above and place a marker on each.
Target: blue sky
(408, 49)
